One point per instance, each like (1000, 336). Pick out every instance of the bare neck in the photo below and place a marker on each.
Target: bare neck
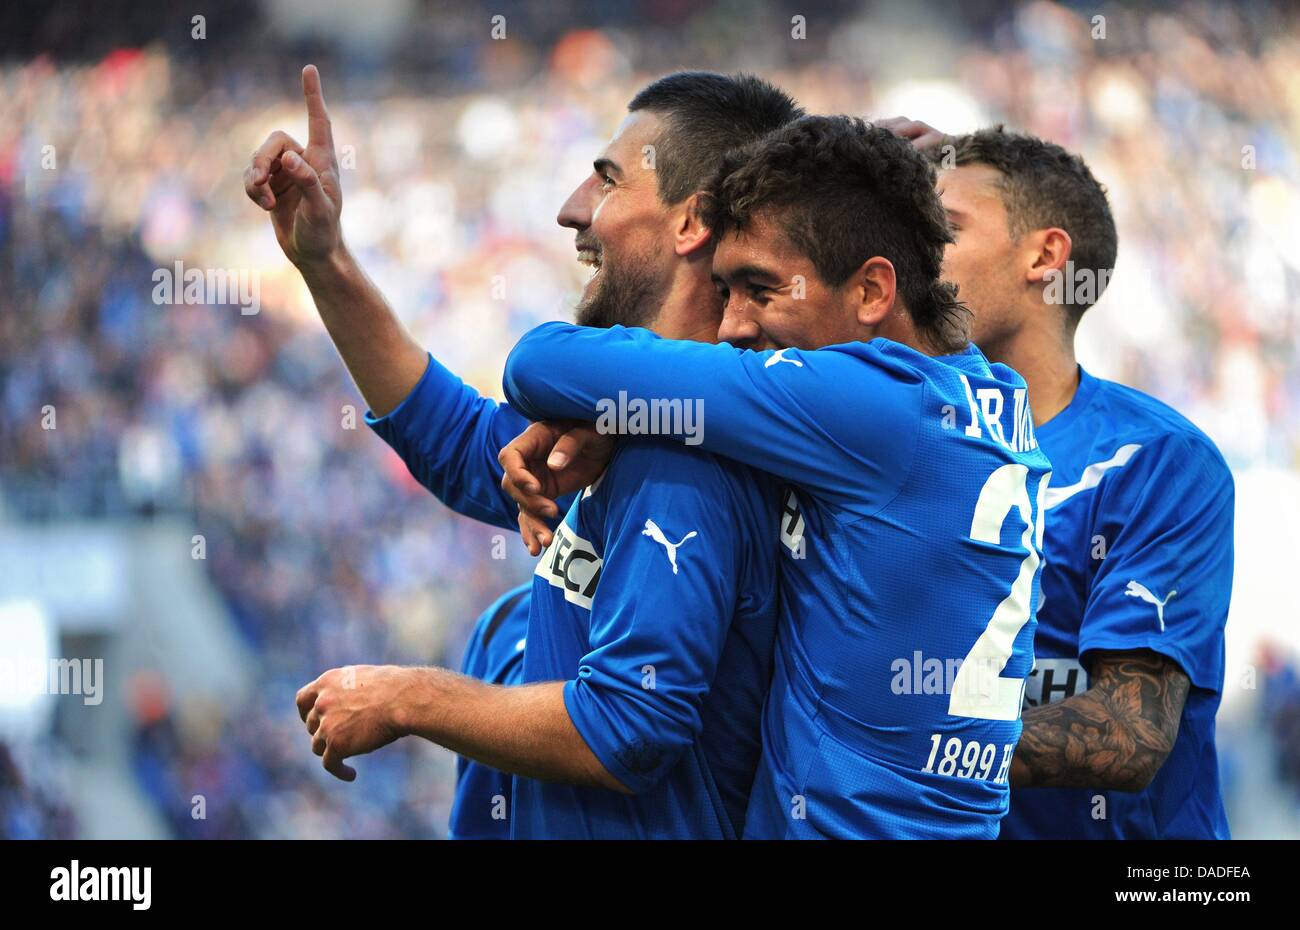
(1044, 357)
(692, 308)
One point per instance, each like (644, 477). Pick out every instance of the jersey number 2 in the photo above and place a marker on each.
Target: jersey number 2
(978, 689)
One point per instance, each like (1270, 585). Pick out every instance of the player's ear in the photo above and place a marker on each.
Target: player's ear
(874, 289)
(1049, 250)
(689, 233)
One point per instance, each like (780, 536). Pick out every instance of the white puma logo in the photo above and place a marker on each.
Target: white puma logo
(652, 530)
(1137, 590)
(778, 357)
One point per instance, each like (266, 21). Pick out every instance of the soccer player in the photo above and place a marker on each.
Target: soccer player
(911, 537)
(651, 626)
(1118, 737)
(447, 434)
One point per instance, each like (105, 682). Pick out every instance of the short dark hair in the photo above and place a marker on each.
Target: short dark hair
(1043, 186)
(847, 191)
(707, 115)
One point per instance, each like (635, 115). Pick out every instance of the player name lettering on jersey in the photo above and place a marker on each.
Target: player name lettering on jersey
(571, 564)
(987, 404)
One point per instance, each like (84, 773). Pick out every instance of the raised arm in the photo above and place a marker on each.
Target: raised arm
(445, 432)
(299, 187)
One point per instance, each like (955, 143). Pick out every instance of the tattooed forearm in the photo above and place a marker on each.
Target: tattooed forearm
(1114, 735)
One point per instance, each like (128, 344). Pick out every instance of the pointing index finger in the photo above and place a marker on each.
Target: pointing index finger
(319, 132)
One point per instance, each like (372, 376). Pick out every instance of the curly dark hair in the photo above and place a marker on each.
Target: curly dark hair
(1043, 186)
(845, 191)
(705, 116)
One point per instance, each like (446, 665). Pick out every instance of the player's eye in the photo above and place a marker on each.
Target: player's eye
(605, 180)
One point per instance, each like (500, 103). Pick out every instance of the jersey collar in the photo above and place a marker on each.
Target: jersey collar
(1077, 405)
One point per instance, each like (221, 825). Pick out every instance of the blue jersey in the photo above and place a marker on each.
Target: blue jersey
(655, 603)
(1138, 556)
(495, 654)
(448, 435)
(909, 568)
(642, 665)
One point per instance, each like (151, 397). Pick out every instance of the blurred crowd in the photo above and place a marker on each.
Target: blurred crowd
(1281, 712)
(322, 547)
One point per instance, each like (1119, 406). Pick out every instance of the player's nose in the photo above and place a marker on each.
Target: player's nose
(738, 329)
(576, 212)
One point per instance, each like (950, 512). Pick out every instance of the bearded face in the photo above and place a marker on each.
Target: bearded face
(623, 289)
(624, 230)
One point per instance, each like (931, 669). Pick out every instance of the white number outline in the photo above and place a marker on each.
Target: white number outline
(971, 695)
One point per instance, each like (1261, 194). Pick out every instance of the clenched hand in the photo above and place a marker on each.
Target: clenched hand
(352, 711)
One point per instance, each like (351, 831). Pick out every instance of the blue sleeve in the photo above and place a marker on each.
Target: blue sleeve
(829, 420)
(656, 636)
(449, 436)
(1166, 578)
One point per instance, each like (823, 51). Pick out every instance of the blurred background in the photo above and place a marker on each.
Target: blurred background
(188, 491)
